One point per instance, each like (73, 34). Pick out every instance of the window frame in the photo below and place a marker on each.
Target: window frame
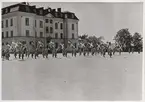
(56, 35)
(11, 22)
(12, 33)
(7, 23)
(41, 24)
(73, 27)
(7, 34)
(61, 25)
(27, 33)
(41, 34)
(27, 21)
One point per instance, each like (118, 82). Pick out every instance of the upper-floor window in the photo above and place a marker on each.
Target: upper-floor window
(35, 23)
(11, 33)
(41, 24)
(27, 33)
(11, 22)
(2, 24)
(72, 15)
(41, 34)
(51, 21)
(6, 10)
(72, 35)
(72, 26)
(56, 25)
(2, 34)
(61, 35)
(47, 29)
(7, 34)
(61, 26)
(27, 21)
(46, 20)
(6, 23)
(51, 30)
(56, 35)
(41, 12)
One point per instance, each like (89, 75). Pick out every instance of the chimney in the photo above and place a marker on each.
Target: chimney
(59, 9)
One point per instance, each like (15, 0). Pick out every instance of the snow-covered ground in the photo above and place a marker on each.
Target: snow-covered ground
(73, 78)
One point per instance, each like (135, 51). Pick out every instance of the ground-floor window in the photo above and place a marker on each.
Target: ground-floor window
(2, 34)
(27, 33)
(56, 35)
(11, 33)
(7, 34)
(61, 35)
(41, 34)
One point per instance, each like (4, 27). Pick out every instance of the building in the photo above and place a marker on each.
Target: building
(23, 22)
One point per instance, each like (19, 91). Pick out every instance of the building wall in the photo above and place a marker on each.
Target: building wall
(48, 25)
(19, 28)
(70, 31)
(58, 31)
(32, 29)
(10, 28)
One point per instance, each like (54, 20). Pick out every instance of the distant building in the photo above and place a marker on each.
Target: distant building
(23, 22)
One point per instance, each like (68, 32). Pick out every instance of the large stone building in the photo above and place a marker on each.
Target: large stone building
(23, 22)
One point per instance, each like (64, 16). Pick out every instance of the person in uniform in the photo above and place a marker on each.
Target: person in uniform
(3, 54)
(46, 52)
(22, 52)
(7, 54)
(19, 53)
(43, 52)
(36, 53)
(84, 50)
(15, 53)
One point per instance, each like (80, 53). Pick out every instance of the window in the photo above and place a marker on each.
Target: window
(11, 23)
(6, 10)
(11, 33)
(27, 33)
(41, 34)
(51, 21)
(2, 34)
(56, 26)
(72, 35)
(61, 26)
(61, 35)
(41, 12)
(7, 34)
(35, 23)
(2, 24)
(35, 34)
(72, 26)
(47, 30)
(27, 21)
(2, 43)
(41, 24)
(46, 20)
(72, 15)
(51, 30)
(6, 23)
(56, 35)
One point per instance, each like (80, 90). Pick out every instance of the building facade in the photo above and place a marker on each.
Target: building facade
(22, 22)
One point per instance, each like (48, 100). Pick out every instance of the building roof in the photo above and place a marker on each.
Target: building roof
(25, 7)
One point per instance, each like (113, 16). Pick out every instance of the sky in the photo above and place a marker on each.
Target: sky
(101, 19)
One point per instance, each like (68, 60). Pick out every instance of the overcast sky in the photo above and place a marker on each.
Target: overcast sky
(102, 19)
